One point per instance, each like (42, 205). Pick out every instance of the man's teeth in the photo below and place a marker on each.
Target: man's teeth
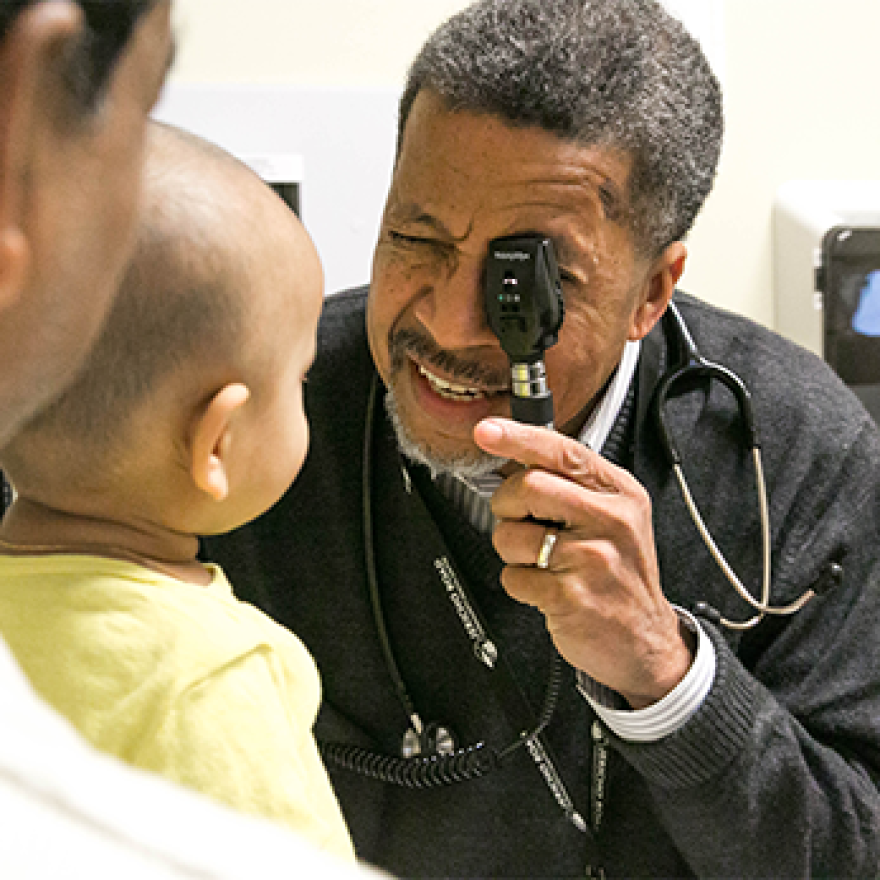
(450, 390)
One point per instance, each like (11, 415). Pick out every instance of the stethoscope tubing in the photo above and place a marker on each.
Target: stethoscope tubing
(762, 606)
(695, 369)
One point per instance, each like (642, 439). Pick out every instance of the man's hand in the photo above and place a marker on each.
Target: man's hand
(600, 593)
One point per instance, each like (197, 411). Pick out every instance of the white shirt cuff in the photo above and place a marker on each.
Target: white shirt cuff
(667, 715)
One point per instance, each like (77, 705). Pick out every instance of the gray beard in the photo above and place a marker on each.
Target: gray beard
(465, 464)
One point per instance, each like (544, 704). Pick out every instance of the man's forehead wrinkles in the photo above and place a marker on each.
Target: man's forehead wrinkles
(564, 199)
(568, 194)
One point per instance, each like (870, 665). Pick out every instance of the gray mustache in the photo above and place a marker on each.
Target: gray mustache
(406, 343)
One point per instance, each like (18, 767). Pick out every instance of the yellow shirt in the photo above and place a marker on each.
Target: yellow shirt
(177, 678)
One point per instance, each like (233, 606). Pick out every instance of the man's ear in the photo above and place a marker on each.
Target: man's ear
(30, 100)
(211, 439)
(663, 276)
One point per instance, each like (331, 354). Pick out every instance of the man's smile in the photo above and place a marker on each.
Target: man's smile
(455, 390)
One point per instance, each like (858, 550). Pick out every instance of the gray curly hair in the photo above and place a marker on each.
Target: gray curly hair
(622, 74)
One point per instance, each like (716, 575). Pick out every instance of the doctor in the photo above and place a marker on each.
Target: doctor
(610, 723)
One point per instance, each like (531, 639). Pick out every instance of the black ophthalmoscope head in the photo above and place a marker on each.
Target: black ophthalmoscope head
(523, 296)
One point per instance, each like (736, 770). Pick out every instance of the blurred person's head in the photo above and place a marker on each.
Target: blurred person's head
(77, 81)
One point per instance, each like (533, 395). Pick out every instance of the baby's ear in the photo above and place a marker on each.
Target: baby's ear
(211, 439)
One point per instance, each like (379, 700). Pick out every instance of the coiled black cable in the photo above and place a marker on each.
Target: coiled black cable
(431, 771)
(419, 772)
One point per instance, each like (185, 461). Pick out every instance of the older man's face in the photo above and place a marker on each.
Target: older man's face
(461, 180)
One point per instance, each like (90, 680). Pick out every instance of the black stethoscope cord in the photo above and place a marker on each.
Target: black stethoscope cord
(439, 762)
(449, 764)
(428, 771)
(554, 683)
(370, 563)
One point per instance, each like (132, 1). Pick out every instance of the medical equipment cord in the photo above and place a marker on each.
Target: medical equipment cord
(420, 771)
(693, 368)
(462, 764)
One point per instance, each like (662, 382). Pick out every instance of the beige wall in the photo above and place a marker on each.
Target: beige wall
(802, 85)
(801, 79)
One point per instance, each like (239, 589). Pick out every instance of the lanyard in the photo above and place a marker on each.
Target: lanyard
(485, 650)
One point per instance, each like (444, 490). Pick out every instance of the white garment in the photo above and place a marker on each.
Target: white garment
(69, 811)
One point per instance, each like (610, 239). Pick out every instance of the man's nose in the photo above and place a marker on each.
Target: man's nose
(452, 309)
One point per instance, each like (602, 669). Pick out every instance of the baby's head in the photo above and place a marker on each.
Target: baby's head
(189, 411)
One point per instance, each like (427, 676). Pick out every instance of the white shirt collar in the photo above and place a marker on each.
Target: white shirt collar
(598, 426)
(595, 431)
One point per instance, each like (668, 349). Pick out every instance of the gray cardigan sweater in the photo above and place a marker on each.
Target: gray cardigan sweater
(777, 773)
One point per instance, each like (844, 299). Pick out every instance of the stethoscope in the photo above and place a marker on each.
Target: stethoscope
(431, 756)
(694, 369)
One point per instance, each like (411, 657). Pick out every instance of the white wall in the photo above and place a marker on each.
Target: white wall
(801, 83)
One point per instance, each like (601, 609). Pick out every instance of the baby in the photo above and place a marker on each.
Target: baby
(188, 419)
